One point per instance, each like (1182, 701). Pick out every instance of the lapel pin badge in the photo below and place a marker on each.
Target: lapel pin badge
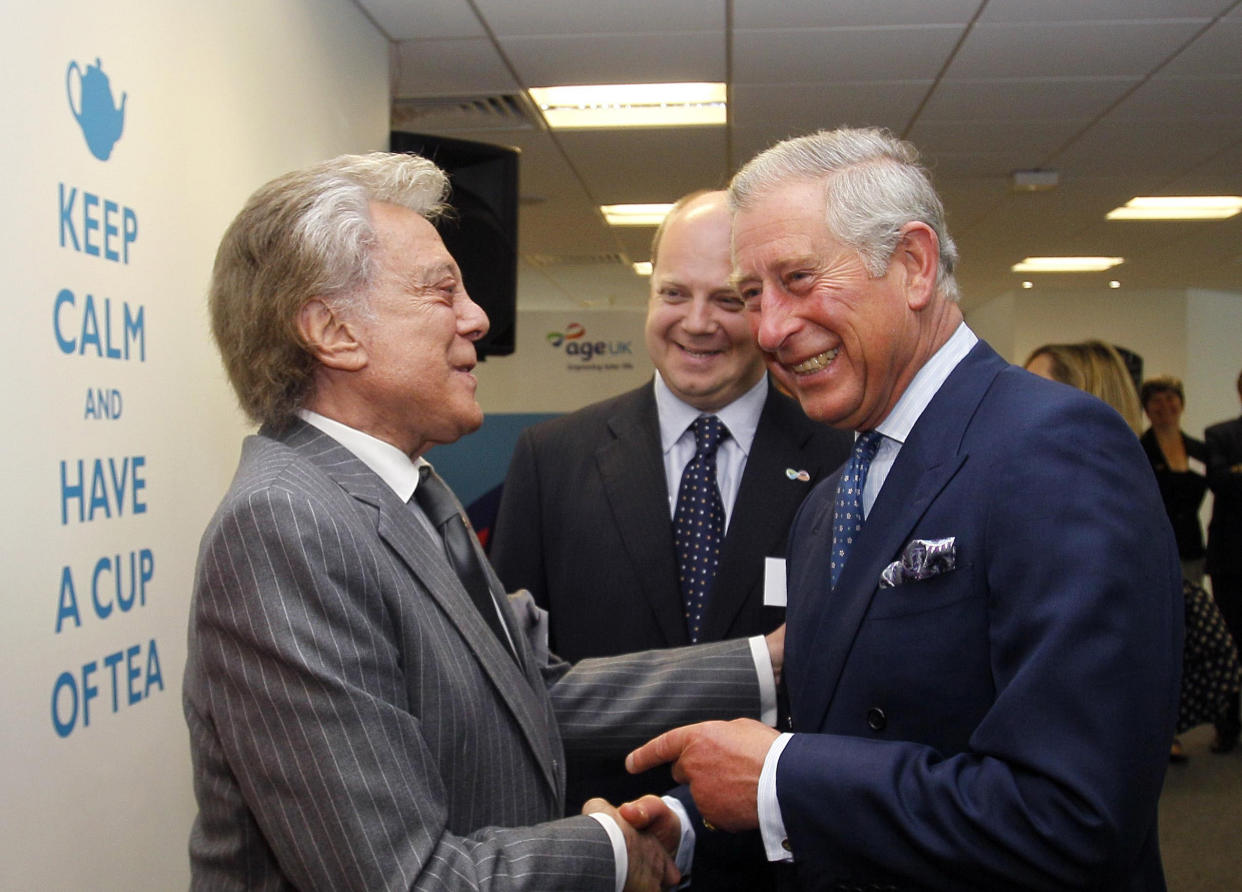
(801, 476)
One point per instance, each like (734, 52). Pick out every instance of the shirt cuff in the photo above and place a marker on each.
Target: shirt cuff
(771, 823)
(620, 856)
(685, 848)
(767, 680)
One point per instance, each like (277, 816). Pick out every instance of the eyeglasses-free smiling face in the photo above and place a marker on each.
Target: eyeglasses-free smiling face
(697, 332)
(419, 334)
(844, 343)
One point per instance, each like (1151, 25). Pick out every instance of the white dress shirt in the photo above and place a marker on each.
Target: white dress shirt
(895, 427)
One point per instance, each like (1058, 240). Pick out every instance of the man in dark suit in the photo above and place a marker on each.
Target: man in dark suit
(1224, 476)
(587, 514)
(367, 710)
(985, 609)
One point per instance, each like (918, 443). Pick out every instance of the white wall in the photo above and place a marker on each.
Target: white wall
(1195, 335)
(220, 97)
(565, 360)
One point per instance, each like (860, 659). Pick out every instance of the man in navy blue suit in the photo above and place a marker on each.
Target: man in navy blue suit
(983, 653)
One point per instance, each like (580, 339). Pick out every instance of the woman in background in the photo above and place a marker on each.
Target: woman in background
(1172, 454)
(1211, 673)
(1092, 366)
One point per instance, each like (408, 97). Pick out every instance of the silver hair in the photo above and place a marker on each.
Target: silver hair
(874, 185)
(305, 235)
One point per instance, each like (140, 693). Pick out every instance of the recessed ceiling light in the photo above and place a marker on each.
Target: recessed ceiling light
(1028, 284)
(635, 214)
(642, 267)
(1178, 207)
(1066, 264)
(631, 105)
(1114, 284)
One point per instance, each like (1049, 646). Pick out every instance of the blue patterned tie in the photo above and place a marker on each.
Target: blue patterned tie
(848, 516)
(698, 522)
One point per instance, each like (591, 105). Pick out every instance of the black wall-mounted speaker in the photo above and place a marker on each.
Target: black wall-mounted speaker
(481, 234)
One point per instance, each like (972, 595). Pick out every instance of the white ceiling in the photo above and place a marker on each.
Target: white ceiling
(1122, 97)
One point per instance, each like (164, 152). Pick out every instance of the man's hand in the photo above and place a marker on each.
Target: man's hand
(651, 864)
(652, 814)
(776, 649)
(720, 760)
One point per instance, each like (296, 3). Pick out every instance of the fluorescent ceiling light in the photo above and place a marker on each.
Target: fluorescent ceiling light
(635, 214)
(1066, 264)
(631, 105)
(642, 267)
(1178, 207)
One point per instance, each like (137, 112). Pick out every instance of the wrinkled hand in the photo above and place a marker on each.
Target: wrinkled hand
(776, 649)
(651, 864)
(720, 760)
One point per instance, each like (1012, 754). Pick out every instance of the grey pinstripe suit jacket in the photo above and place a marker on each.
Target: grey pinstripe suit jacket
(354, 723)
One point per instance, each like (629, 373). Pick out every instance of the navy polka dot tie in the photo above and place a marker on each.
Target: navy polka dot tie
(698, 522)
(848, 517)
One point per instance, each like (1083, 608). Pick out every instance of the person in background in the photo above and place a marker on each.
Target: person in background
(1179, 461)
(1223, 442)
(593, 509)
(366, 708)
(984, 622)
(1210, 670)
(1092, 366)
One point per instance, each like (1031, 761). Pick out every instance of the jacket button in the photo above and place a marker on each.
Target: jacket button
(876, 719)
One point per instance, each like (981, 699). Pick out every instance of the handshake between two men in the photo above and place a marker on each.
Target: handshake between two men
(721, 763)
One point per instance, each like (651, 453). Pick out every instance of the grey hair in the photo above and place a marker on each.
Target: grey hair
(303, 236)
(874, 184)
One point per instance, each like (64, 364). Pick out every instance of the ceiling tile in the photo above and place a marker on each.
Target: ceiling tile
(756, 14)
(816, 55)
(648, 165)
(426, 19)
(1083, 50)
(450, 68)
(1217, 52)
(512, 18)
(1184, 99)
(958, 100)
(1136, 148)
(801, 108)
(617, 59)
(1013, 11)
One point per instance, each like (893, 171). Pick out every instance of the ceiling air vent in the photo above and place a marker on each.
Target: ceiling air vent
(508, 111)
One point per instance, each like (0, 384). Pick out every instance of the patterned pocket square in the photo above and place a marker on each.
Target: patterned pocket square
(921, 559)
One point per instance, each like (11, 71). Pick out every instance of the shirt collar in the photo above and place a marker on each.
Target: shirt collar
(392, 465)
(927, 381)
(741, 416)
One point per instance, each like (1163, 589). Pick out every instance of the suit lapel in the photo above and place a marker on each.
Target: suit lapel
(928, 460)
(521, 694)
(632, 470)
(765, 496)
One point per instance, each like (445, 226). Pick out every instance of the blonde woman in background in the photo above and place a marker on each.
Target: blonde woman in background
(1092, 366)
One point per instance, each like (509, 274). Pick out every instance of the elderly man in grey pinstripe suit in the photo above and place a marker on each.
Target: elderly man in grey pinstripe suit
(356, 720)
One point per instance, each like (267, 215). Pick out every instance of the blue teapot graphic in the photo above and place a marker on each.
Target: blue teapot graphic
(100, 119)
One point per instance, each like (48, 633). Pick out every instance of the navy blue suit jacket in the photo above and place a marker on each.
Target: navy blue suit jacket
(1005, 724)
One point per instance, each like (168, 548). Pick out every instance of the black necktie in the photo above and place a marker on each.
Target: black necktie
(698, 522)
(849, 508)
(444, 512)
